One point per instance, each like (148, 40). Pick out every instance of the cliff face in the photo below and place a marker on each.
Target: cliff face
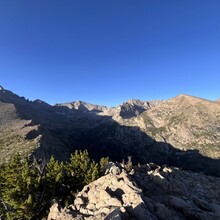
(150, 192)
(181, 131)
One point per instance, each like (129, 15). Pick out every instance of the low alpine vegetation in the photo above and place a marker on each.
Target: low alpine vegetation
(27, 187)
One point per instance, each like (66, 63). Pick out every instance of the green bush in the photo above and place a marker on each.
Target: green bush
(28, 187)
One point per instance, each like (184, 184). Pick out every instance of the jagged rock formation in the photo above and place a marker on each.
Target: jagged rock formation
(84, 106)
(151, 192)
(178, 131)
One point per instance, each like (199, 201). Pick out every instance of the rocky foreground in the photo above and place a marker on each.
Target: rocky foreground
(149, 192)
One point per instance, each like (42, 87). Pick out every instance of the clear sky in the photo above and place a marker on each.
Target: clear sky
(108, 51)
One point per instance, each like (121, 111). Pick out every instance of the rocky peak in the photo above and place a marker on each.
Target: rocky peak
(83, 106)
(38, 101)
(135, 107)
(144, 104)
(8, 96)
(135, 102)
(184, 99)
(150, 192)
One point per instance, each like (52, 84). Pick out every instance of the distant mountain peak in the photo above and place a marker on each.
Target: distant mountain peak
(134, 101)
(1, 87)
(83, 106)
(190, 99)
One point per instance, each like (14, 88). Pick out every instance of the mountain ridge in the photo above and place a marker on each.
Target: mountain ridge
(148, 130)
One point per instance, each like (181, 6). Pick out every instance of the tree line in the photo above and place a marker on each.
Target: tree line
(28, 187)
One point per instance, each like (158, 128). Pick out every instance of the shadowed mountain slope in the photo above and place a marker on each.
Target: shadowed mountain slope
(178, 131)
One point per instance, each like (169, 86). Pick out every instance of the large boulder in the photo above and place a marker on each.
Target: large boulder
(110, 193)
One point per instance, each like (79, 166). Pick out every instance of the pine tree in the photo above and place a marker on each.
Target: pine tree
(18, 184)
(81, 170)
(103, 164)
(53, 177)
(27, 187)
(92, 173)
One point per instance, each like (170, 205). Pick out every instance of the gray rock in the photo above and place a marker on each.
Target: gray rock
(119, 197)
(162, 212)
(58, 213)
(178, 203)
(202, 204)
(114, 168)
(114, 215)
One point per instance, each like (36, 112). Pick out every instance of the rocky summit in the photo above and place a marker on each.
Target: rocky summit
(183, 131)
(149, 192)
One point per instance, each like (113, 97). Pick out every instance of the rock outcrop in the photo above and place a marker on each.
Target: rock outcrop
(151, 192)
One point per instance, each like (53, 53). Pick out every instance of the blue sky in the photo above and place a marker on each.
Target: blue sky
(106, 52)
